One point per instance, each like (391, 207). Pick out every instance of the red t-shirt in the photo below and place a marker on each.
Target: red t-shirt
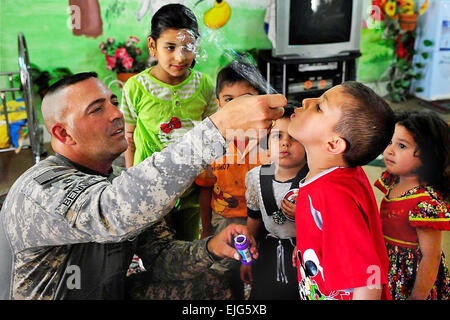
(340, 244)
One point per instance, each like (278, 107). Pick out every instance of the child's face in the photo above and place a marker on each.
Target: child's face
(285, 150)
(234, 90)
(401, 155)
(314, 123)
(174, 50)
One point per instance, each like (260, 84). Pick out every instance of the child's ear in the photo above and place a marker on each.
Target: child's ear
(336, 145)
(218, 103)
(151, 44)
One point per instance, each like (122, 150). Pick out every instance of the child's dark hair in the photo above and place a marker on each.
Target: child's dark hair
(289, 109)
(432, 136)
(238, 71)
(174, 16)
(367, 124)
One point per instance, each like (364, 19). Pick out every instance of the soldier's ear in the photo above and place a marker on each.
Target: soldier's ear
(60, 133)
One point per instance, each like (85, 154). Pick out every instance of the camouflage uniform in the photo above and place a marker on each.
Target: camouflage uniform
(58, 217)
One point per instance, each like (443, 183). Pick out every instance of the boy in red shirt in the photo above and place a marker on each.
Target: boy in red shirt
(340, 249)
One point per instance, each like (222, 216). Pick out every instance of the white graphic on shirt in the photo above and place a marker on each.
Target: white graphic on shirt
(312, 263)
(316, 215)
(307, 286)
(309, 289)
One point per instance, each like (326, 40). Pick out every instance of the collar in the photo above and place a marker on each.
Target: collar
(82, 168)
(166, 85)
(317, 176)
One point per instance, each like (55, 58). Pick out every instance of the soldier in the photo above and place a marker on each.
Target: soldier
(69, 225)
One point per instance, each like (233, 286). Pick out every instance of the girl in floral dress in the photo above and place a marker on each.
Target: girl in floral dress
(415, 210)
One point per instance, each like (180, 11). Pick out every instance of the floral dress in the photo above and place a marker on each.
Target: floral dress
(419, 207)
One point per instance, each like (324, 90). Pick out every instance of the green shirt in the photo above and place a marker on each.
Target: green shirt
(163, 113)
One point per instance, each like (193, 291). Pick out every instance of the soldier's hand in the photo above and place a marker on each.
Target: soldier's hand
(248, 112)
(221, 245)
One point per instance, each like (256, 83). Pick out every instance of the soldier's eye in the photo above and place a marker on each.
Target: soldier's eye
(97, 109)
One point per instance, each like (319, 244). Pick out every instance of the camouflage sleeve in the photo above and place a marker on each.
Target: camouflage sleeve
(169, 259)
(77, 207)
(145, 193)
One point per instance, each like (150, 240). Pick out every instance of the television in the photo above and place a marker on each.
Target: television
(317, 28)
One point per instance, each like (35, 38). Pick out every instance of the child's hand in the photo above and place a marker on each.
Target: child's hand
(246, 274)
(288, 208)
(130, 140)
(129, 134)
(294, 257)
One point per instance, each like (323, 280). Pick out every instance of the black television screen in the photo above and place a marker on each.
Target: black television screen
(320, 21)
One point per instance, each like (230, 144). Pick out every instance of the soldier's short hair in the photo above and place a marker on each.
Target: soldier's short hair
(53, 110)
(69, 80)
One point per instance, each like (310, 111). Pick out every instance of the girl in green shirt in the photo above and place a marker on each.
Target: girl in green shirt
(162, 103)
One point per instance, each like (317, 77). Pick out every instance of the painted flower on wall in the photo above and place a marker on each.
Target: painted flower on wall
(400, 21)
(122, 57)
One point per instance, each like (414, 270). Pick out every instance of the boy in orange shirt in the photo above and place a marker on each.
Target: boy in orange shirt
(222, 199)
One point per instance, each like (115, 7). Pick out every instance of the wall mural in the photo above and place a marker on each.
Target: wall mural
(67, 34)
(217, 16)
(86, 18)
(58, 37)
(151, 6)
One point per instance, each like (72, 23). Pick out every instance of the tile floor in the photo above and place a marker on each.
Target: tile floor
(13, 165)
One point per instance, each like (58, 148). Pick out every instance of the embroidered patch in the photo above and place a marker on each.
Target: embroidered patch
(75, 192)
(51, 175)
